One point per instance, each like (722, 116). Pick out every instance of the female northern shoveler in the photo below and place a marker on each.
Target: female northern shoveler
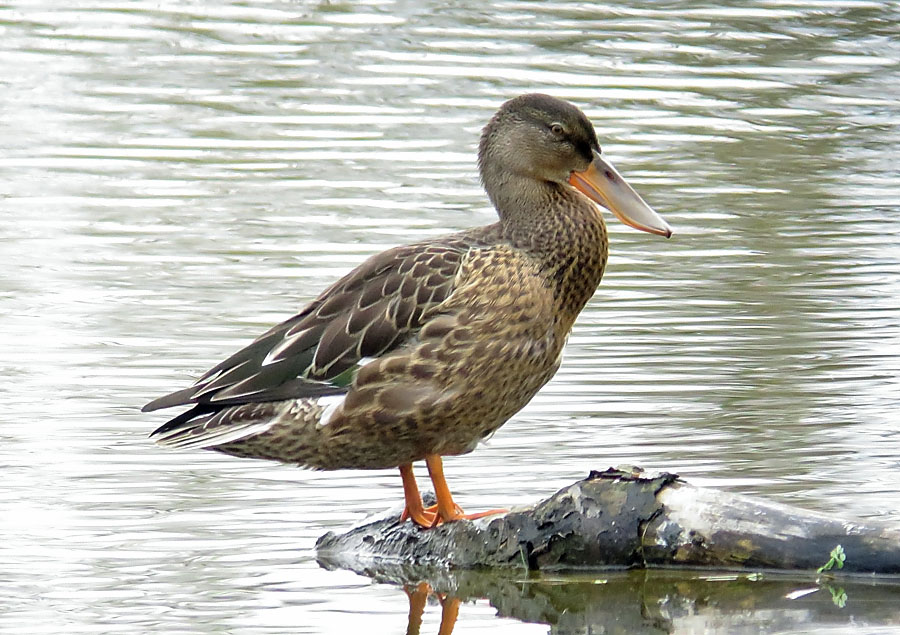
(425, 349)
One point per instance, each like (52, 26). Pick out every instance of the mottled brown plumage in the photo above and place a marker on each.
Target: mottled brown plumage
(425, 349)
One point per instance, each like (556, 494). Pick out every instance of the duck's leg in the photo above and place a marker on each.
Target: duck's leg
(447, 509)
(415, 508)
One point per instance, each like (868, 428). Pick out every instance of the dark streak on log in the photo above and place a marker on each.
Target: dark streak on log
(622, 518)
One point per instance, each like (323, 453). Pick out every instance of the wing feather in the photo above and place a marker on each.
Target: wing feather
(371, 311)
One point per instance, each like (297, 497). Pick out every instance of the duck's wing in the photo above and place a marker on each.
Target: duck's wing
(373, 310)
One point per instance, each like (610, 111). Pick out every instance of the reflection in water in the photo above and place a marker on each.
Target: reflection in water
(418, 597)
(657, 602)
(177, 177)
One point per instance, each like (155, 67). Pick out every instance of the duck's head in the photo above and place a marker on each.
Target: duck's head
(536, 142)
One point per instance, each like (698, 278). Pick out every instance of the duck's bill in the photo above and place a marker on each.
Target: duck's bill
(602, 183)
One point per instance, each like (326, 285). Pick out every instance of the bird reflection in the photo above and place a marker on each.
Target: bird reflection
(418, 598)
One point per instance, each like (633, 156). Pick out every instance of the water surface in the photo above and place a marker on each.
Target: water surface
(178, 177)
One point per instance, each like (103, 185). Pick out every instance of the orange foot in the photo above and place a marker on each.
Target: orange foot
(445, 510)
(431, 517)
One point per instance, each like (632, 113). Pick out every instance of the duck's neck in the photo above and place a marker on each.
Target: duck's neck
(566, 234)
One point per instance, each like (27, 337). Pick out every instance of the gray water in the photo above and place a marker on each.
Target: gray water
(177, 177)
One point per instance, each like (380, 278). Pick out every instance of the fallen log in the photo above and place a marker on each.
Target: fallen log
(623, 518)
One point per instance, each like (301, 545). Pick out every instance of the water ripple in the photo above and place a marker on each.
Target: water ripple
(179, 177)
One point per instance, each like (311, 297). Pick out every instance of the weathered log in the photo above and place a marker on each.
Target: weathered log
(624, 518)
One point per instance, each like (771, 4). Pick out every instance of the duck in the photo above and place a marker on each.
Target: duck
(426, 349)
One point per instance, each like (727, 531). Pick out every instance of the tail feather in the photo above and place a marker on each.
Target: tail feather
(177, 398)
(186, 419)
(204, 426)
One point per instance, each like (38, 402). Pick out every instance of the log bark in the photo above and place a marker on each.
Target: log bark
(623, 519)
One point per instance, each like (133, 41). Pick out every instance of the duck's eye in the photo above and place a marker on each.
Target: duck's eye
(557, 129)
